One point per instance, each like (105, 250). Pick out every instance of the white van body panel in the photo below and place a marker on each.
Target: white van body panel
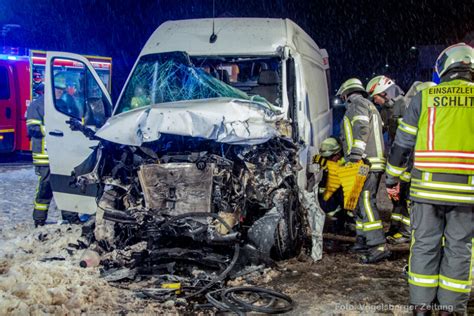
(235, 36)
(237, 122)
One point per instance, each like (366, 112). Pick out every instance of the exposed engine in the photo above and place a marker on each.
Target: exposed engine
(180, 191)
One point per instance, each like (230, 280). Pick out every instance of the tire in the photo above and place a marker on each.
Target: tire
(288, 236)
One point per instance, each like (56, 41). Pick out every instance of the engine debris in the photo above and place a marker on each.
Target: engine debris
(190, 211)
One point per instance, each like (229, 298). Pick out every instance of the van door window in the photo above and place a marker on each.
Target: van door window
(315, 82)
(77, 94)
(4, 84)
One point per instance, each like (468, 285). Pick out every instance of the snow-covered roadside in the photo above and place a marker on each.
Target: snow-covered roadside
(17, 189)
(29, 285)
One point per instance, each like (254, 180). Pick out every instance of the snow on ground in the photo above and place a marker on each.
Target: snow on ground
(17, 189)
(30, 285)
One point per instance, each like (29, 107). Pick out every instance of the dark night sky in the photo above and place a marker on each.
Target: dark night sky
(360, 36)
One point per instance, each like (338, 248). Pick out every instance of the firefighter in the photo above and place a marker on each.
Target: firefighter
(36, 132)
(331, 150)
(390, 97)
(438, 127)
(385, 93)
(362, 139)
(38, 85)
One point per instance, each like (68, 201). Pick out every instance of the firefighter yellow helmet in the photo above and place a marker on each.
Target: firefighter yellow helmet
(350, 85)
(459, 56)
(378, 85)
(329, 147)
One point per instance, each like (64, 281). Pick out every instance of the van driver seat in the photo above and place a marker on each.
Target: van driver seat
(268, 86)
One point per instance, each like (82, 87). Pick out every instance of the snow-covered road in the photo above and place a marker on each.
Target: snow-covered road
(17, 189)
(38, 275)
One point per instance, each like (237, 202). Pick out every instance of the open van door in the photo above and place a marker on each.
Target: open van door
(74, 93)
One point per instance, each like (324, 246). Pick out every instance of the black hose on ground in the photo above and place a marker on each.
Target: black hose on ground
(222, 276)
(224, 273)
(220, 305)
(231, 302)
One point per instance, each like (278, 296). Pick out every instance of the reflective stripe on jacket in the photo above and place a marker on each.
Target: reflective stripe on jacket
(445, 129)
(441, 173)
(362, 135)
(35, 128)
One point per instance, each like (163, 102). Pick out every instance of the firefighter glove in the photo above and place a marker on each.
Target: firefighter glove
(75, 124)
(367, 162)
(354, 158)
(89, 133)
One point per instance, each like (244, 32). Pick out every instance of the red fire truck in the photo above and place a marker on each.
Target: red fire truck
(21, 81)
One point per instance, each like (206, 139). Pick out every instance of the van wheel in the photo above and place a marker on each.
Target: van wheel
(288, 236)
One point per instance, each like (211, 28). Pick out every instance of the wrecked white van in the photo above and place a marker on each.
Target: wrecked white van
(209, 124)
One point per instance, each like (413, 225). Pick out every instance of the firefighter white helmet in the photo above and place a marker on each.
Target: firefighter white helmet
(378, 85)
(459, 55)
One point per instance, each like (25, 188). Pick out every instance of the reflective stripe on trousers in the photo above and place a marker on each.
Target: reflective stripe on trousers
(367, 213)
(43, 195)
(400, 218)
(436, 273)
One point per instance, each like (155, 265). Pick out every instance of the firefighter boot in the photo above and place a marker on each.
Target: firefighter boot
(360, 244)
(399, 238)
(39, 217)
(39, 223)
(402, 236)
(376, 254)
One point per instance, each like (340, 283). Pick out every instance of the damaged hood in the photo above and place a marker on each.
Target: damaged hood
(223, 120)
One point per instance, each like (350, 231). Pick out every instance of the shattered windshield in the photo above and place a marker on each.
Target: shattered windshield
(171, 77)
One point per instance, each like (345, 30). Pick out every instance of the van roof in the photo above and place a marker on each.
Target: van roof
(235, 36)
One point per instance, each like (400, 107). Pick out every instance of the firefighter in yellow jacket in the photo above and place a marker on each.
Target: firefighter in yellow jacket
(439, 127)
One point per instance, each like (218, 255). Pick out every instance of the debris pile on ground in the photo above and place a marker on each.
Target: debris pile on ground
(180, 266)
